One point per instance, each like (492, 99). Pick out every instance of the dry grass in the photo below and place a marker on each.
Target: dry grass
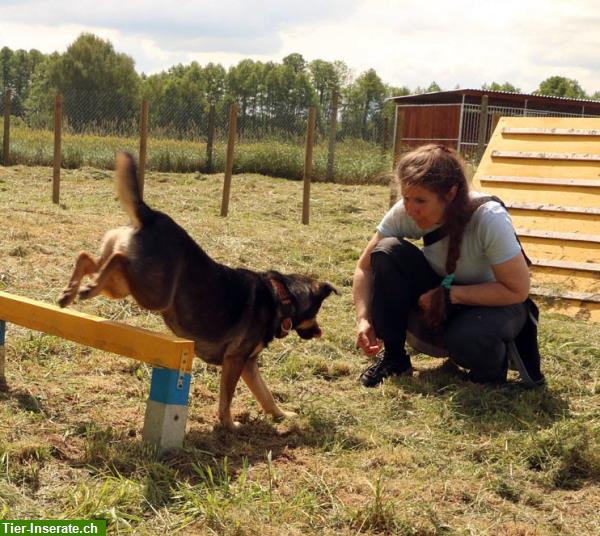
(432, 454)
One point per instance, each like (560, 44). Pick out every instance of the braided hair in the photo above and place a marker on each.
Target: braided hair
(440, 169)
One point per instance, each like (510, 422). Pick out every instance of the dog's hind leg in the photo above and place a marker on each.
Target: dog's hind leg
(84, 265)
(230, 375)
(111, 276)
(254, 381)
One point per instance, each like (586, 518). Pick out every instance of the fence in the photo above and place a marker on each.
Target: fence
(185, 135)
(466, 127)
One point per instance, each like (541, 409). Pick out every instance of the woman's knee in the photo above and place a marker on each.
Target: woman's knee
(395, 252)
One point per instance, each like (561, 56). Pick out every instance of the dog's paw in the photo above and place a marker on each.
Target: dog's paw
(66, 298)
(229, 425)
(284, 415)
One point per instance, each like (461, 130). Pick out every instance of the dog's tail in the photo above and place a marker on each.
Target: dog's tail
(128, 189)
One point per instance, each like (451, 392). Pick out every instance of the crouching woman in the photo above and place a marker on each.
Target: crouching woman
(466, 289)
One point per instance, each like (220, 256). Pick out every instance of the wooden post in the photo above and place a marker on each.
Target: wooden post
(229, 162)
(398, 133)
(310, 133)
(3, 384)
(58, 107)
(332, 135)
(211, 137)
(6, 138)
(385, 134)
(481, 135)
(143, 146)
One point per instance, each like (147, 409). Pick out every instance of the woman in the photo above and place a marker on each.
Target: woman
(471, 285)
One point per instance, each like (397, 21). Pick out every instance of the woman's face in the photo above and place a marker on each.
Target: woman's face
(424, 206)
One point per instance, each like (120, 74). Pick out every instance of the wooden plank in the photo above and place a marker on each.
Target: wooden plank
(552, 131)
(157, 349)
(567, 265)
(533, 155)
(551, 235)
(579, 296)
(541, 181)
(592, 211)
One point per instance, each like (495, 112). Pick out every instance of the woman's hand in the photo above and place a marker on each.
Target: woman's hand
(366, 339)
(425, 300)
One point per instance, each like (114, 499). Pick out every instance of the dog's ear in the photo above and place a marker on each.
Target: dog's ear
(324, 289)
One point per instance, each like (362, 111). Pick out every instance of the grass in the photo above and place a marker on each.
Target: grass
(432, 454)
(356, 161)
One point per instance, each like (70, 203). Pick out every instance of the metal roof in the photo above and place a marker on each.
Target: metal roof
(457, 94)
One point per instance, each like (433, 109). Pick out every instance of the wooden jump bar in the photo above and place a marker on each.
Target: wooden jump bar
(574, 157)
(551, 235)
(157, 349)
(542, 181)
(552, 131)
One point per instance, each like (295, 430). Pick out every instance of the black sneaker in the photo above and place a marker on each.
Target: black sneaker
(384, 367)
(528, 367)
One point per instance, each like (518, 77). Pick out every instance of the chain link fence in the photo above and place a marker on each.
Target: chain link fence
(190, 136)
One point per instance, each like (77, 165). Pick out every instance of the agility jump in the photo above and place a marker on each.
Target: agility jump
(171, 358)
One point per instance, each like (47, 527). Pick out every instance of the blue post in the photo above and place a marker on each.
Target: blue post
(167, 408)
(3, 384)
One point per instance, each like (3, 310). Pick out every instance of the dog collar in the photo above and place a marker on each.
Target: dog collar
(286, 305)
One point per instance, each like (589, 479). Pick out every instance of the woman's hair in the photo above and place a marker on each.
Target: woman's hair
(438, 169)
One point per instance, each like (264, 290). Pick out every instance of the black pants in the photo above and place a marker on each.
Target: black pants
(475, 336)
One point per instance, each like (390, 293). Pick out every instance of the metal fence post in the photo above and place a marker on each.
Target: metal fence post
(58, 108)
(6, 138)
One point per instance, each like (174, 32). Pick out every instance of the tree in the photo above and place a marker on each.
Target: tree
(99, 85)
(495, 86)
(362, 112)
(595, 96)
(559, 86)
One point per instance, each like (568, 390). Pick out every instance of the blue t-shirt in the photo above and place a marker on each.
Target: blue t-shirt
(489, 239)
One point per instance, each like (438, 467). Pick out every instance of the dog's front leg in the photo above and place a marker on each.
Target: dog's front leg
(230, 375)
(259, 389)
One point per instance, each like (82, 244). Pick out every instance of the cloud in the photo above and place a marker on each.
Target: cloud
(408, 42)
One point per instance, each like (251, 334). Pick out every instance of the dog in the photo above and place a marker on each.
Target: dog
(231, 314)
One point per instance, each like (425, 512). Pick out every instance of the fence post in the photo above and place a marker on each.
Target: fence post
(332, 135)
(143, 147)
(398, 132)
(3, 384)
(385, 134)
(6, 138)
(481, 135)
(58, 108)
(210, 138)
(310, 133)
(229, 163)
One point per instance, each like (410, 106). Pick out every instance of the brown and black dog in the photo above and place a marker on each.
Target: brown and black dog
(230, 313)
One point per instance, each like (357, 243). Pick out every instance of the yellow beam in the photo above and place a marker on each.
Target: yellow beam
(157, 349)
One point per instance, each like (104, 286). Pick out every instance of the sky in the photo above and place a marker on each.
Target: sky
(456, 43)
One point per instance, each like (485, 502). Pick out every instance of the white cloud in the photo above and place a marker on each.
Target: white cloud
(408, 42)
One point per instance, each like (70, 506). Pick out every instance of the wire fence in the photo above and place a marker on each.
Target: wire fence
(191, 136)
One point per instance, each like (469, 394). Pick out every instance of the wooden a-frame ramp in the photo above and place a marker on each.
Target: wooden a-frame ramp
(547, 171)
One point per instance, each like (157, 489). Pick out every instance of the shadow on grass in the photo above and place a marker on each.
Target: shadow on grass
(489, 407)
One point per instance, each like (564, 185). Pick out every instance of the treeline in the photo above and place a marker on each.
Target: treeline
(101, 87)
